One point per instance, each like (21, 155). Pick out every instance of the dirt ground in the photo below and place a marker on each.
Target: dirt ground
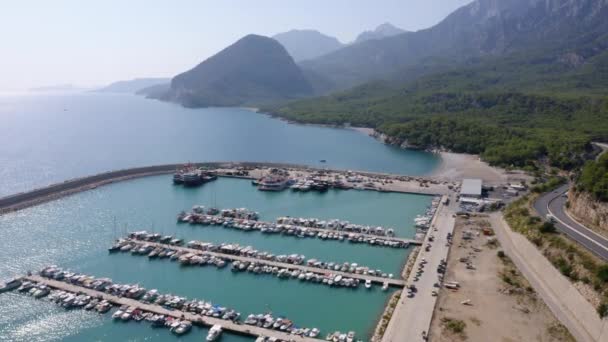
(499, 303)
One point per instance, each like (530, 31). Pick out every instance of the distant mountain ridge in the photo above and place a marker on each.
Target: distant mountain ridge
(484, 27)
(132, 86)
(255, 69)
(383, 31)
(307, 44)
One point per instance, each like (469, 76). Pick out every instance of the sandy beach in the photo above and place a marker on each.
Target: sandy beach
(456, 166)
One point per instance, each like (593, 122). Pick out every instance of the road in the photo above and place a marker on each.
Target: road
(560, 295)
(554, 203)
(412, 316)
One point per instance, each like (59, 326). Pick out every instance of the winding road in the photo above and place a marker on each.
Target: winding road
(554, 203)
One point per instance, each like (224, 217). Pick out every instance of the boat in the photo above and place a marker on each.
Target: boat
(182, 328)
(368, 284)
(350, 337)
(214, 332)
(192, 178)
(314, 333)
(273, 183)
(385, 286)
(117, 314)
(178, 178)
(10, 285)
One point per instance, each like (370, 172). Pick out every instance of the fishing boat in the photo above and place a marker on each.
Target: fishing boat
(214, 332)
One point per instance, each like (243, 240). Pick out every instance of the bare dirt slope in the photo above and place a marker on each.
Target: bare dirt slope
(501, 305)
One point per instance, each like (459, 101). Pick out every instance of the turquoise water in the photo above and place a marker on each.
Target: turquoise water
(76, 231)
(46, 139)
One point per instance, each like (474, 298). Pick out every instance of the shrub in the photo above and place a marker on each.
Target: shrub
(547, 228)
(501, 254)
(602, 273)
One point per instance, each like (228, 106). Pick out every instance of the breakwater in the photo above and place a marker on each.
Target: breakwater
(66, 188)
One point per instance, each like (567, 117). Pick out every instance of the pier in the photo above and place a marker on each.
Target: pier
(344, 233)
(157, 309)
(374, 279)
(69, 187)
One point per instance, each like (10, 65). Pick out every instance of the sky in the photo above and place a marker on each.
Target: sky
(96, 42)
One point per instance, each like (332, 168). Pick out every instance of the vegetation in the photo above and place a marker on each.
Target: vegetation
(594, 178)
(571, 259)
(513, 110)
(455, 326)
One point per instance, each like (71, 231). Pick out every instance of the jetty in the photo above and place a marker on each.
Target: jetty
(69, 187)
(366, 237)
(374, 279)
(160, 310)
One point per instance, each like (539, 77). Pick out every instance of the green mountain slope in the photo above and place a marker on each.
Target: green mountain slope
(254, 69)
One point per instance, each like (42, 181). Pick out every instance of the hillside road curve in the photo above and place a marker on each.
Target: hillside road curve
(554, 203)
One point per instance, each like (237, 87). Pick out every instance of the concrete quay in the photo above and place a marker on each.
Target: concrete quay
(412, 316)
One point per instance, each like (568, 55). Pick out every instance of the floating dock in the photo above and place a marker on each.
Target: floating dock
(344, 233)
(378, 280)
(157, 309)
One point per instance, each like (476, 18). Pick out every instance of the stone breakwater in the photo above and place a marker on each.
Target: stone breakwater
(34, 197)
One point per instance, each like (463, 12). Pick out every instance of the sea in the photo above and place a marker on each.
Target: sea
(50, 138)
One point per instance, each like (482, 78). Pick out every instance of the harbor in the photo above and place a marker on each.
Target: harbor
(307, 210)
(177, 312)
(302, 228)
(199, 253)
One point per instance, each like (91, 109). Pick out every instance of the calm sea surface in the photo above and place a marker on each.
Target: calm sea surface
(50, 138)
(47, 139)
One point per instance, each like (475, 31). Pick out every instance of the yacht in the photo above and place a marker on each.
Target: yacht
(10, 285)
(273, 183)
(117, 314)
(214, 332)
(182, 328)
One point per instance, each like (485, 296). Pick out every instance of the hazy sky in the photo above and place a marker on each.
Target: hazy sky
(97, 42)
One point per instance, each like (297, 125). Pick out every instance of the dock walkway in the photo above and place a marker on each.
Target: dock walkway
(373, 279)
(328, 230)
(157, 309)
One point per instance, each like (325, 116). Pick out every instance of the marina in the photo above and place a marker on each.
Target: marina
(330, 274)
(140, 205)
(285, 226)
(176, 313)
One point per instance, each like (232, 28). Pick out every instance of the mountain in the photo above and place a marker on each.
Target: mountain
(132, 86)
(307, 44)
(516, 81)
(482, 28)
(383, 31)
(255, 69)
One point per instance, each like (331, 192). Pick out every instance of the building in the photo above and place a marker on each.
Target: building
(471, 188)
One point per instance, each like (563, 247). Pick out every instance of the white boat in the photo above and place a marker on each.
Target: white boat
(214, 332)
(368, 284)
(117, 314)
(10, 285)
(384, 286)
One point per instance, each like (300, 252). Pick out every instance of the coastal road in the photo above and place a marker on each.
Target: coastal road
(412, 316)
(554, 203)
